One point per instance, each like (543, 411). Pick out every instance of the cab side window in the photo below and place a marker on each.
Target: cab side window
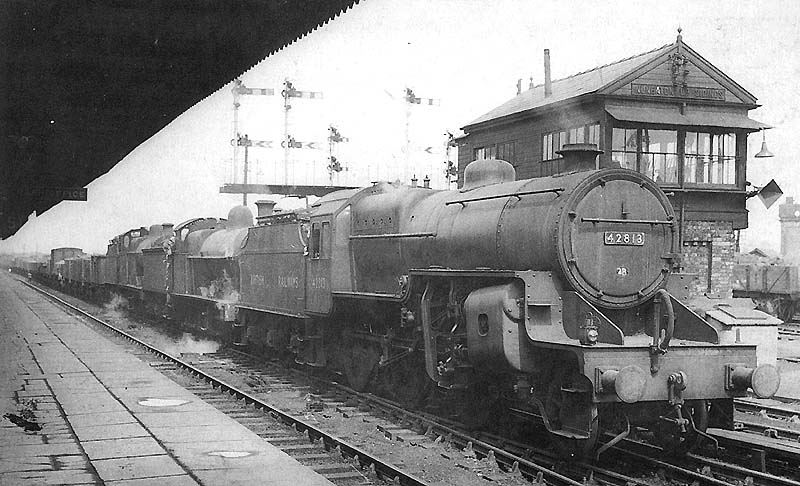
(316, 241)
(320, 241)
(325, 240)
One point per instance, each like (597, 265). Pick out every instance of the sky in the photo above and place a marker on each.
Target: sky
(467, 55)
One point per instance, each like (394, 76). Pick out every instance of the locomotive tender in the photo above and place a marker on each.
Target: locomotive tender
(546, 295)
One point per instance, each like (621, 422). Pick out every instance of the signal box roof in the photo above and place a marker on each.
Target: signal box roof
(615, 80)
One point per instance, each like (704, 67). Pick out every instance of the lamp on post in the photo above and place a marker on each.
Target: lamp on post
(764, 152)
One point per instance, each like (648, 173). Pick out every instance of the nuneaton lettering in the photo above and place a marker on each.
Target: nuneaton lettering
(672, 91)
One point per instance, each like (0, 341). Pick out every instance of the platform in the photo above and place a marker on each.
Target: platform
(107, 417)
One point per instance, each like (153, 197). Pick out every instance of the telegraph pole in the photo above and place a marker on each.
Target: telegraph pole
(246, 142)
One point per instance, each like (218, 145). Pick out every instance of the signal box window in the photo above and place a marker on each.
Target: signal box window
(651, 152)
(593, 134)
(576, 135)
(554, 141)
(482, 153)
(624, 145)
(660, 155)
(551, 143)
(710, 158)
(507, 151)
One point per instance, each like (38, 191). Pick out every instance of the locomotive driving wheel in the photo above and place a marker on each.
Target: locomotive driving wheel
(405, 381)
(677, 440)
(359, 363)
(479, 406)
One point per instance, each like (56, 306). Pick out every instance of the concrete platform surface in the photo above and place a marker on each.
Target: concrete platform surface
(78, 409)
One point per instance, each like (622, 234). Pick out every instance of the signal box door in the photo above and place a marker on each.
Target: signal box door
(318, 268)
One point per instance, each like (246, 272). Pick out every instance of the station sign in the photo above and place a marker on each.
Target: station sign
(677, 91)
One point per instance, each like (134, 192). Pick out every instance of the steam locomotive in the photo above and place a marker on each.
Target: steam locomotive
(546, 296)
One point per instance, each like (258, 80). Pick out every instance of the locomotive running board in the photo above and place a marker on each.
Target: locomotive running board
(366, 295)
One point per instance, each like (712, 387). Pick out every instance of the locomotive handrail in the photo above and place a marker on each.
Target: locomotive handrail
(513, 194)
(631, 221)
(393, 235)
(660, 346)
(666, 299)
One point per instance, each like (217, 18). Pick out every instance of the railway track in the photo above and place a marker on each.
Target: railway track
(792, 332)
(778, 421)
(313, 445)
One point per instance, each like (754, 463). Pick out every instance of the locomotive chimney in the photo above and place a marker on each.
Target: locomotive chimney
(264, 208)
(426, 182)
(414, 180)
(579, 156)
(548, 85)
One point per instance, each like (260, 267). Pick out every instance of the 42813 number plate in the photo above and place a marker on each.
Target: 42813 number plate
(624, 238)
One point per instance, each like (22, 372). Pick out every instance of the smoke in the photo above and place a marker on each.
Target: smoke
(188, 344)
(222, 289)
(116, 307)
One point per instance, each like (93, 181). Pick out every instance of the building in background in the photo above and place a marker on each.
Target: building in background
(789, 215)
(667, 113)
